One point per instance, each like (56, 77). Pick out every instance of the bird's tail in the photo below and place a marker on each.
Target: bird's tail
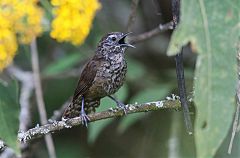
(74, 108)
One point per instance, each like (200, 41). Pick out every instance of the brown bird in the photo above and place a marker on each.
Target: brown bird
(102, 76)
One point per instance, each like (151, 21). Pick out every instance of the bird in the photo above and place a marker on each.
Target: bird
(102, 76)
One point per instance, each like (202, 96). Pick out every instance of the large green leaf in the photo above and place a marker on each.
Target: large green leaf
(212, 27)
(9, 112)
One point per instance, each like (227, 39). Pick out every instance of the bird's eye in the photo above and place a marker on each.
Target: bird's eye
(114, 38)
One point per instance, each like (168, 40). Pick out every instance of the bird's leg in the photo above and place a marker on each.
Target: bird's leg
(83, 115)
(119, 104)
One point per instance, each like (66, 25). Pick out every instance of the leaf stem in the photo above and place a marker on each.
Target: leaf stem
(180, 70)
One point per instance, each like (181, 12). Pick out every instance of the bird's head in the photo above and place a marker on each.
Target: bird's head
(115, 41)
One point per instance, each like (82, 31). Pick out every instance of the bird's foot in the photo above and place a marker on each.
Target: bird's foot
(84, 119)
(122, 106)
(119, 104)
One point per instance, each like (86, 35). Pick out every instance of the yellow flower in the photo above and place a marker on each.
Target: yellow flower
(28, 24)
(73, 19)
(8, 43)
(19, 19)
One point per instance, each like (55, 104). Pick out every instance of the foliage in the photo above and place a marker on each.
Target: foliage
(212, 27)
(9, 112)
(204, 24)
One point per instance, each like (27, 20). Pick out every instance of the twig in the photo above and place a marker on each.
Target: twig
(180, 71)
(175, 12)
(132, 16)
(182, 91)
(55, 126)
(39, 97)
(152, 33)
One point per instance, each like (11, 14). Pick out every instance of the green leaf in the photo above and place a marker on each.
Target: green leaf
(9, 112)
(212, 28)
(148, 95)
(62, 64)
(95, 128)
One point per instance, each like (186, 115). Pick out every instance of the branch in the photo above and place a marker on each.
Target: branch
(39, 97)
(39, 131)
(180, 71)
(182, 91)
(152, 33)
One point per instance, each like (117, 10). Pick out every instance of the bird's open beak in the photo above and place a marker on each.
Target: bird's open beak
(123, 43)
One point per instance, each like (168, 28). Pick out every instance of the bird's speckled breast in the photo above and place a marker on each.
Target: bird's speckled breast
(110, 76)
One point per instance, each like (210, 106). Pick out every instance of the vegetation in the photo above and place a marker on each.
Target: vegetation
(44, 44)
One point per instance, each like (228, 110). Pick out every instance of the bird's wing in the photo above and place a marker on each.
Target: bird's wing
(86, 79)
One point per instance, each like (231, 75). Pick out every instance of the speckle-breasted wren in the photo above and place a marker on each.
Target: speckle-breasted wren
(102, 76)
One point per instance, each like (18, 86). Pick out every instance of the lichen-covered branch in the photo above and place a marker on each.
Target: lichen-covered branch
(54, 126)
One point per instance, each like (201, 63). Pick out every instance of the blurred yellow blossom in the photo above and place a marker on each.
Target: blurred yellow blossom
(28, 26)
(19, 20)
(8, 44)
(73, 19)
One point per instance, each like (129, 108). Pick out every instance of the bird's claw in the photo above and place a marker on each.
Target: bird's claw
(123, 107)
(84, 119)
